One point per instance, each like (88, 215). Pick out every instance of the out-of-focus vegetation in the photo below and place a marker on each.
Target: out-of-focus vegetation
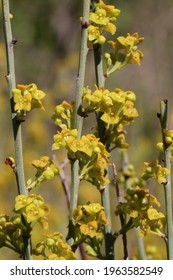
(46, 53)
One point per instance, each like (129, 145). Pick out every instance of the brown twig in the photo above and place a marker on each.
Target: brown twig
(63, 178)
(121, 216)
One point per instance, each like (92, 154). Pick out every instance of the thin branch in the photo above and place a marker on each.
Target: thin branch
(78, 116)
(167, 187)
(63, 178)
(121, 216)
(9, 43)
(105, 194)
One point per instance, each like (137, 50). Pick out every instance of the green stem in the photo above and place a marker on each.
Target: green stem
(100, 79)
(78, 122)
(105, 194)
(82, 67)
(141, 246)
(9, 42)
(167, 186)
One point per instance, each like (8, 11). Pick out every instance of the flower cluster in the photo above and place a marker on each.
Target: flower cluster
(91, 153)
(100, 21)
(26, 98)
(46, 170)
(90, 222)
(139, 206)
(168, 138)
(128, 175)
(54, 248)
(63, 114)
(117, 108)
(12, 231)
(155, 170)
(125, 51)
(32, 208)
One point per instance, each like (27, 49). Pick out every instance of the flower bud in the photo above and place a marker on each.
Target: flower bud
(57, 122)
(48, 174)
(168, 140)
(50, 242)
(59, 110)
(160, 146)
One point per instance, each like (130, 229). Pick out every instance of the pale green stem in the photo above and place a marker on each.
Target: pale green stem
(167, 186)
(9, 42)
(141, 246)
(82, 66)
(78, 120)
(105, 194)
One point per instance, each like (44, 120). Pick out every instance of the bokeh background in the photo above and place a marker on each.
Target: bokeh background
(46, 53)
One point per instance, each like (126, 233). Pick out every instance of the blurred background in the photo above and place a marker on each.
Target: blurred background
(46, 53)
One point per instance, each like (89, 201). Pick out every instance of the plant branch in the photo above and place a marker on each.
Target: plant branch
(82, 66)
(9, 43)
(78, 120)
(121, 216)
(167, 187)
(63, 178)
(105, 194)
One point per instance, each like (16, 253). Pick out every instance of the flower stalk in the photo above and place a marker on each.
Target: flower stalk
(167, 186)
(11, 80)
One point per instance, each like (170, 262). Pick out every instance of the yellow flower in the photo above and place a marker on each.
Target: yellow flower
(155, 170)
(27, 97)
(153, 214)
(135, 57)
(93, 208)
(33, 212)
(130, 43)
(126, 50)
(102, 218)
(59, 250)
(111, 28)
(110, 10)
(89, 229)
(22, 201)
(161, 174)
(95, 36)
(130, 40)
(37, 94)
(110, 118)
(74, 144)
(78, 213)
(41, 163)
(22, 101)
(59, 141)
(99, 17)
(129, 112)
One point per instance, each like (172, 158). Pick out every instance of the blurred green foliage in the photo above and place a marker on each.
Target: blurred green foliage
(46, 53)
